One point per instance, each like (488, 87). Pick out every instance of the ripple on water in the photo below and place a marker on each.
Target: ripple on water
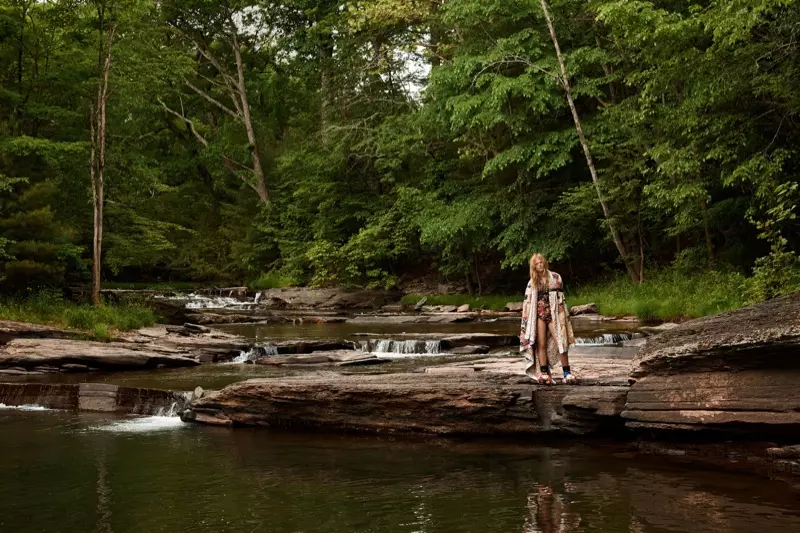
(142, 425)
(24, 407)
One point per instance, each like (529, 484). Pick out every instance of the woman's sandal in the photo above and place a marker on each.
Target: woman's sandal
(570, 379)
(544, 379)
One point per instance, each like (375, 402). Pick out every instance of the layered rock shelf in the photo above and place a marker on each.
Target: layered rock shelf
(454, 403)
(736, 372)
(731, 376)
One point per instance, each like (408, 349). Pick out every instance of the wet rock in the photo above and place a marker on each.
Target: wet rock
(211, 319)
(324, 319)
(196, 328)
(443, 402)
(666, 326)
(785, 452)
(587, 309)
(197, 393)
(74, 368)
(393, 308)
(304, 346)
(463, 309)
(172, 312)
(52, 353)
(487, 339)
(305, 298)
(365, 361)
(10, 329)
(153, 332)
(317, 358)
(469, 350)
(515, 307)
(732, 372)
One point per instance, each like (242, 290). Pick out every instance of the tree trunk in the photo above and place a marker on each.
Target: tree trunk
(326, 87)
(258, 169)
(707, 230)
(478, 275)
(629, 264)
(98, 167)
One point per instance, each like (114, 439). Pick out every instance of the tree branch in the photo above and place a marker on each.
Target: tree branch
(213, 100)
(188, 122)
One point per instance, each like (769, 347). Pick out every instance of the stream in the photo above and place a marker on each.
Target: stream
(93, 472)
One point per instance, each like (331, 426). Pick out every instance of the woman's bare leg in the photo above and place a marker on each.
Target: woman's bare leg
(541, 342)
(563, 356)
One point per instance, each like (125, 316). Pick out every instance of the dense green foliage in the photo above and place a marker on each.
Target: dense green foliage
(400, 140)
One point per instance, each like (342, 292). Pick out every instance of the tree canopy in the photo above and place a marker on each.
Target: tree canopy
(367, 142)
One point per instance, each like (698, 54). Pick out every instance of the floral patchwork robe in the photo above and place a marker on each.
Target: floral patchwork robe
(558, 343)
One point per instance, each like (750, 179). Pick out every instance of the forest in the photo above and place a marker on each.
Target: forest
(374, 143)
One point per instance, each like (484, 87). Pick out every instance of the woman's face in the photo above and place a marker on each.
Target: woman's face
(538, 264)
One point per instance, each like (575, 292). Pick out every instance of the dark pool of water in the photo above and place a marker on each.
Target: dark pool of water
(67, 472)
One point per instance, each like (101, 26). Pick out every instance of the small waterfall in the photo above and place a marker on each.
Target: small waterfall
(254, 353)
(400, 348)
(606, 339)
(170, 411)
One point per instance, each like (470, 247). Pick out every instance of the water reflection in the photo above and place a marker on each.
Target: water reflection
(57, 473)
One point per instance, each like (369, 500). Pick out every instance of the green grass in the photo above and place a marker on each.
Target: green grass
(270, 280)
(99, 322)
(489, 302)
(666, 295)
(159, 285)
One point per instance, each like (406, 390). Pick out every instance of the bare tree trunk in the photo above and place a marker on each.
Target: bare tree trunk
(478, 276)
(258, 169)
(629, 265)
(234, 84)
(98, 167)
(707, 230)
(326, 89)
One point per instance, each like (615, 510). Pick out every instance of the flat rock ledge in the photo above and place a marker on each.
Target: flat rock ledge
(442, 403)
(732, 373)
(50, 355)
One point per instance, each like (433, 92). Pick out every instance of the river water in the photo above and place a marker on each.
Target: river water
(69, 472)
(84, 472)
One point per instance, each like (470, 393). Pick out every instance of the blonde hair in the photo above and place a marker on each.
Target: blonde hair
(535, 281)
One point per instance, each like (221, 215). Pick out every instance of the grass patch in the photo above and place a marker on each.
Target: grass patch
(159, 285)
(489, 302)
(270, 280)
(666, 295)
(99, 322)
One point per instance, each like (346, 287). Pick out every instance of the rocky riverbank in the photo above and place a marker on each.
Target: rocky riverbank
(731, 376)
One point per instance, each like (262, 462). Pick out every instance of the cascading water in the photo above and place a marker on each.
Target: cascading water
(400, 348)
(606, 339)
(254, 353)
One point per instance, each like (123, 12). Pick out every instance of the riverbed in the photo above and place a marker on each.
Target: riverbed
(83, 472)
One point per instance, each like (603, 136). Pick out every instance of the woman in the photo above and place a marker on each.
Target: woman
(545, 312)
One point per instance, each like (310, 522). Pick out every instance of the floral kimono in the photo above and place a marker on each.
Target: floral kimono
(554, 307)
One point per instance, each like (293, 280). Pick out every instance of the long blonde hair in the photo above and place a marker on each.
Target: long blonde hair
(536, 283)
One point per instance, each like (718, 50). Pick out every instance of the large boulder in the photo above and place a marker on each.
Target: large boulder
(304, 298)
(587, 309)
(732, 372)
